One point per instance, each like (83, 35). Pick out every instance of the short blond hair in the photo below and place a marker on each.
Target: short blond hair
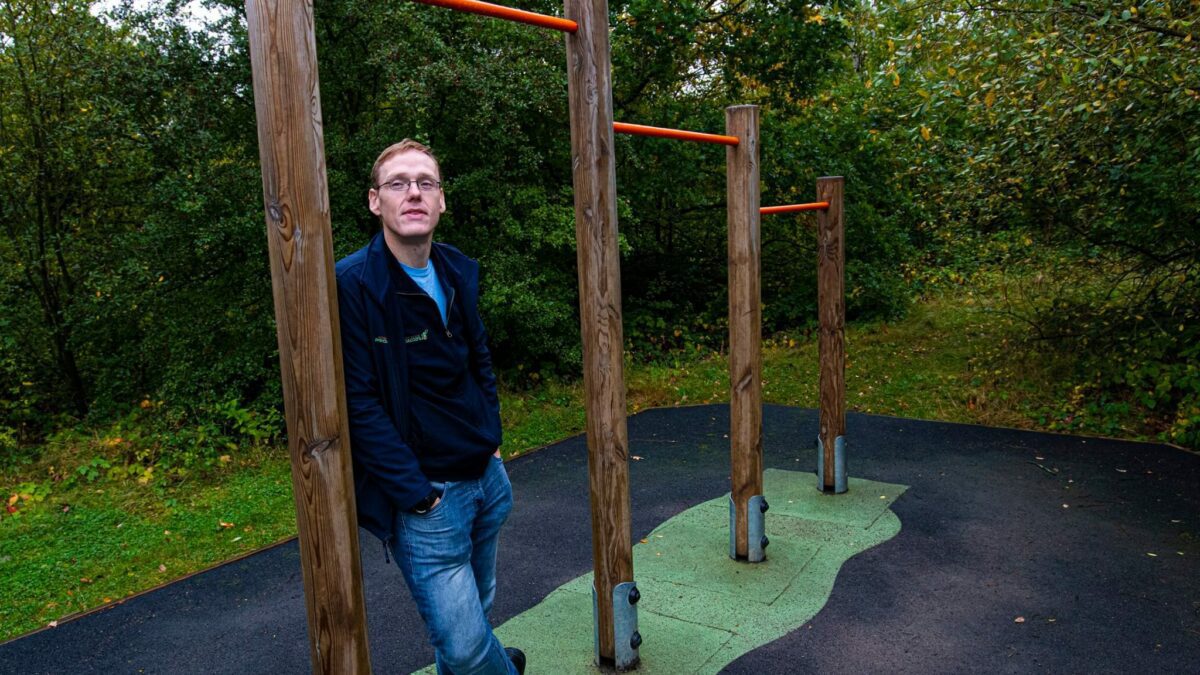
(397, 148)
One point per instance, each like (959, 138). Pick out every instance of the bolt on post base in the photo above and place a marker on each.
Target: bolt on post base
(756, 529)
(625, 597)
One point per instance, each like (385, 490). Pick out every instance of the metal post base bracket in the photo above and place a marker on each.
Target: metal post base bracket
(756, 529)
(627, 640)
(839, 465)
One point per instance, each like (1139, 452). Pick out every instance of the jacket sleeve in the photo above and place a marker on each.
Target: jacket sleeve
(481, 356)
(375, 443)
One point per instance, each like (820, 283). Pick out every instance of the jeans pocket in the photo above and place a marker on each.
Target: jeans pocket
(444, 488)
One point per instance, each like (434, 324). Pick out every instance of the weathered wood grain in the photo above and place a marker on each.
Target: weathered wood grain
(291, 148)
(745, 316)
(589, 90)
(831, 310)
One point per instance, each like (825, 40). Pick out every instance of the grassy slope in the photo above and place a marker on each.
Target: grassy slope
(103, 541)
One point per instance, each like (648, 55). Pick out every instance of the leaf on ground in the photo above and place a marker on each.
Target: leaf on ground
(224, 525)
(162, 568)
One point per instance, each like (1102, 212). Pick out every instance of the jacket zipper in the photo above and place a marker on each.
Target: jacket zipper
(449, 306)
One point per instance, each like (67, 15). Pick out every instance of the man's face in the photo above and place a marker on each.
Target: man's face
(409, 216)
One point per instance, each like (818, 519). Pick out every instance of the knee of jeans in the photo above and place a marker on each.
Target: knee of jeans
(466, 654)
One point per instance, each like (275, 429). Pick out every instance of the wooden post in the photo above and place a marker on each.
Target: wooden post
(291, 148)
(589, 89)
(745, 317)
(831, 308)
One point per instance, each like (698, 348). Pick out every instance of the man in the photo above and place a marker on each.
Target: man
(424, 414)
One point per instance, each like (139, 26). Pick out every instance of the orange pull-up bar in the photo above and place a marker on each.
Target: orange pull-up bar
(792, 208)
(677, 134)
(501, 12)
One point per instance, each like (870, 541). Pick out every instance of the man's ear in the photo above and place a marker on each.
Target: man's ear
(373, 202)
(441, 201)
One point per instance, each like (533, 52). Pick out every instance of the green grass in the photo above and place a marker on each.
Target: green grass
(73, 545)
(76, 551)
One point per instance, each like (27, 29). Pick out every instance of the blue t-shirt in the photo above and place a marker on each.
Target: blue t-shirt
(426, 277)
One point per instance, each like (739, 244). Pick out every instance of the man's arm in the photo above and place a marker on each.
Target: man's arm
(481, 356)
(375, 441)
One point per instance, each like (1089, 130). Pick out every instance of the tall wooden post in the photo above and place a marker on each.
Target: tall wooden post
(745, 327)
(831, 308)
(589, 90)
(291, 148)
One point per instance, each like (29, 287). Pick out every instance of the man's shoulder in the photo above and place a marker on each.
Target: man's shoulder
(351, 266)
(461, 261)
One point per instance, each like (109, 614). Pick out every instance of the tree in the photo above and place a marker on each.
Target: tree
(1076, 125)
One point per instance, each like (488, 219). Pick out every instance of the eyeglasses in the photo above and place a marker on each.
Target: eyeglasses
(402, 185)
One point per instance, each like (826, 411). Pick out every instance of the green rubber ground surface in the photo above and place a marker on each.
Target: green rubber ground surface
(703, 609)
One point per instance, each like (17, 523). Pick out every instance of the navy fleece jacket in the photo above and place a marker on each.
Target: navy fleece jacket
(420, 392)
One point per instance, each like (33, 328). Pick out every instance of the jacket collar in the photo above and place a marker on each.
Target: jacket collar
(377, 276)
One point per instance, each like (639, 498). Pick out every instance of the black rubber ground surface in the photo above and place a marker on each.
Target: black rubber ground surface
(988, 536)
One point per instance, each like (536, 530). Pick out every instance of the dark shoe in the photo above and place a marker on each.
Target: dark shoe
(517, 657)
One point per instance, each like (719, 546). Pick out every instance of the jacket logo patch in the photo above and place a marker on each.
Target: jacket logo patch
(423, 335)
(381, 339)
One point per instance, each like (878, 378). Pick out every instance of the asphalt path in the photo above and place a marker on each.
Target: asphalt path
(1018, 552)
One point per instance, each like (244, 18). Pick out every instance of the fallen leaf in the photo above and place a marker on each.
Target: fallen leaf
(643, 541)
(636, 458)
(1065, 506)
(1039, 458)
(85, 580)
(237, 538)
(53, 624)
(224, 525)
(225, 459)
(1122, 471)
(1019, 619)
(1152, 555)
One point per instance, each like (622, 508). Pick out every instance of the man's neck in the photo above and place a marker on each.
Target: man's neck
(414, 253)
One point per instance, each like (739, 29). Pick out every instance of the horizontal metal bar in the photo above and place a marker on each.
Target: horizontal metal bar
(677, 134)
(792, 208)
(501, 12)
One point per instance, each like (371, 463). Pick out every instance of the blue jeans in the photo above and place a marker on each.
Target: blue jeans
(448, 557)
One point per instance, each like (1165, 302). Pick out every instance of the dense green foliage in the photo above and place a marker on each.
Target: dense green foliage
(1057, 140)
(1067, 134)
